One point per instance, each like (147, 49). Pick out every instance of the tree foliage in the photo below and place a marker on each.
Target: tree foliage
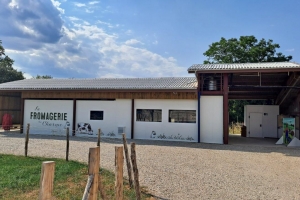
(246, 49)
(7, 72)
(43, 77)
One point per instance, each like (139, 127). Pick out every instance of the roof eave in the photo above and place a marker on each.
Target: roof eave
(101, 90)
(244, 70)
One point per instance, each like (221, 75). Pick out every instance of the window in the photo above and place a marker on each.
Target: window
(96, 115)
(182, 116)
(148, 115)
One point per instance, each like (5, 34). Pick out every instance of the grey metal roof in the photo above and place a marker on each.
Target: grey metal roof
(243, 66)
(102, 83)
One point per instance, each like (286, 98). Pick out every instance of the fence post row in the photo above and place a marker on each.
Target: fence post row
(119, 162)
(27, 139)
(46, 181)
(127, 160)
(135, 172)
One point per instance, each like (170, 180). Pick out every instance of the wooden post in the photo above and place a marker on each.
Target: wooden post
(127, 160)
(225, 109)
(46, 181)
(135, 172)
(119, 162)
(101, 189)
(88, 187)
(94, 164)
(98, 141)
(27, 139)
(67, 150)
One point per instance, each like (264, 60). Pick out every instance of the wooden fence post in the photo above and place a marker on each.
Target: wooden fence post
(135, 172)
(94, 164)
(46, 181)
(98, 141)
(68, 143)
(119, 162)
(27, 139)
(127, 160)
(101, 189)
(88, 187)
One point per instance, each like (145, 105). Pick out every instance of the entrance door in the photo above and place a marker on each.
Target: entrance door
(256, 125)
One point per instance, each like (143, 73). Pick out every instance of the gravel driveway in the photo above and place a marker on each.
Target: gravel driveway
(179, 170)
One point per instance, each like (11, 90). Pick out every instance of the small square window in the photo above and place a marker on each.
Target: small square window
(96, 115)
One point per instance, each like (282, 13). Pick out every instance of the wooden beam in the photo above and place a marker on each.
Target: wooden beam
(293, 79)
(225, 108)
(74, 117)
(22, 115)
(132, 119)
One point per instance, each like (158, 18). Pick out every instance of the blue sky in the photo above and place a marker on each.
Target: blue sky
(154, 38)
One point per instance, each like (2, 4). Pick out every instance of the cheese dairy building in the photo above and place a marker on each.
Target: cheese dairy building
(190, 109)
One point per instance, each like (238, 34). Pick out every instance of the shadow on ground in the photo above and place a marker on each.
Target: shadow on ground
(236, 143)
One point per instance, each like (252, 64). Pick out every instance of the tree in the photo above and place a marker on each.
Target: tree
(7, 72)
(246, 49)
(43, 77)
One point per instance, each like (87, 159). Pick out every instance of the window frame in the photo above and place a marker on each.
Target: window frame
(101, 111)
(186, 121)
(140, 109)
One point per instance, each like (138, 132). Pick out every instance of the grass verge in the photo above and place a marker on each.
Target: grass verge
(20, 178)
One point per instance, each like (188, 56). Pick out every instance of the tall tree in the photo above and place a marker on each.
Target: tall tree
(7, 72)
(246, 49)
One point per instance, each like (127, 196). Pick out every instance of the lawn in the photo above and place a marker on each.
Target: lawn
(20, 177)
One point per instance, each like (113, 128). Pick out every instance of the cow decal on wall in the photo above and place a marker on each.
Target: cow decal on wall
(84, 128)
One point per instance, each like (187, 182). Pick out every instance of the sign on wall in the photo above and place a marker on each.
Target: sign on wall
(51, 117)
(288, 130)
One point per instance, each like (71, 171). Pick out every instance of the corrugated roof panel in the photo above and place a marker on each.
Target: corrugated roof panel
(102, 83)
(242, 66)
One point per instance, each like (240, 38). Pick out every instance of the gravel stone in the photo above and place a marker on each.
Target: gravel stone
(181, 170)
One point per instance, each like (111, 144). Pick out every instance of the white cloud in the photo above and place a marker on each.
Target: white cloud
(290, 50)
(57, 4)
(89, 11)
(73, 18)
(111, 75)
(13, 3)
(94, 2)
(86, 49)
(79, 4)
(27, 76)
(109, 25)
(129, 32)
(132, 42)
(155, 42)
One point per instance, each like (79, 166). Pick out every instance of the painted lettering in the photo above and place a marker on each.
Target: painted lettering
(48, 116)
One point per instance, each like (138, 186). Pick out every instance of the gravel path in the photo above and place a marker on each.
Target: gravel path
(178, 170)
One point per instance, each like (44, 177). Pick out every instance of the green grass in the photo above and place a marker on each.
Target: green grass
(20, 177)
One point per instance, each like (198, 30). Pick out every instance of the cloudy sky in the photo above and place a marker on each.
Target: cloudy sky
(127, 38)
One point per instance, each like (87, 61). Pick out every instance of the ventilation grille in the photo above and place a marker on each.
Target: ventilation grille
(121, 130)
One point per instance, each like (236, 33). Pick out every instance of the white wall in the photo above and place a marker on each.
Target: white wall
(55, 124)
(269, 121)
(211, 119)
(187, 131)
(116, 114)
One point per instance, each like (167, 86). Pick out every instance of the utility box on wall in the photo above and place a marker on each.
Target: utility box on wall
(261, 120)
